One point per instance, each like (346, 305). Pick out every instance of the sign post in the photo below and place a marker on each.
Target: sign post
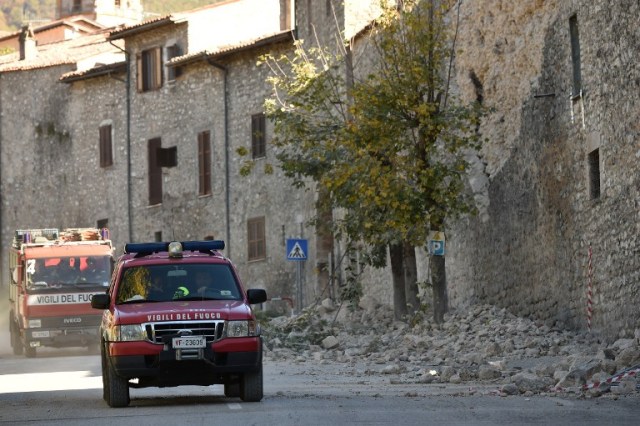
(297, 251)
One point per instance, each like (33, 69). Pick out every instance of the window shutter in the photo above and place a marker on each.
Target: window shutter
(204, 163)
(157, 67)
(256, 239)
(106, 154)
(155, 172)
(139, 74)
(258, 135)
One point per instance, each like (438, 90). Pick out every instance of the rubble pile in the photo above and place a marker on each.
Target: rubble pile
(484, 344)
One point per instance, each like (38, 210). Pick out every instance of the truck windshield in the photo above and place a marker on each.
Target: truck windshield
(57, 272)
(160, 283)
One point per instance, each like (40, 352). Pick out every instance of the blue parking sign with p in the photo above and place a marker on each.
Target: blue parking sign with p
(436, 247)
(296, 249)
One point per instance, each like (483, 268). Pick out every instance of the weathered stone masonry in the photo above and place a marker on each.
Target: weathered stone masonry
(530, 251)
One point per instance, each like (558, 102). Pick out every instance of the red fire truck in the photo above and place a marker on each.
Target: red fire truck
(53, 274)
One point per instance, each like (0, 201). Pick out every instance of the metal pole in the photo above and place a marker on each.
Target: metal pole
(298, 288)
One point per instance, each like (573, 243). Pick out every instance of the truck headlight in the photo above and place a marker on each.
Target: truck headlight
(129, 333)
(242, 328)
(35, 323)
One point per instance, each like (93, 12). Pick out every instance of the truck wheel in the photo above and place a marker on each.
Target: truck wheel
(232, 390)
(251, 386)
(29, 352)
(118, 388)
(16, 343)
(105, 381)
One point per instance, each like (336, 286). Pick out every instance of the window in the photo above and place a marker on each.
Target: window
(158, 158)
(258, 145)
(157, 236)
(575, 55)
(77, 6)
(149, 69)
(255, 238)
(204, 163)
(117, 3)
(173, 52)
(102, 223)
(106, 148)
(168, 157)
(155, 173)
(594, 174)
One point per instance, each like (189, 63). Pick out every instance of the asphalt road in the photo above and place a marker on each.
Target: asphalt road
(63, 387)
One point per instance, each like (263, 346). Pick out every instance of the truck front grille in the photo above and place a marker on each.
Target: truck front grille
(162, 332)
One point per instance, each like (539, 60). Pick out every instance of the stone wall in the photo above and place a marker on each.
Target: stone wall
(528, 251)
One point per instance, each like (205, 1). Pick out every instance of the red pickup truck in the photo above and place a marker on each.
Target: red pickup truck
(177, 314)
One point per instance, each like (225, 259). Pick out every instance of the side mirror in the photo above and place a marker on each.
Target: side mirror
(100, 301)
(256, 295)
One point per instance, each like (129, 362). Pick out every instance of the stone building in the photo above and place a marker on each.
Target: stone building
(138, 128)
(561, 170)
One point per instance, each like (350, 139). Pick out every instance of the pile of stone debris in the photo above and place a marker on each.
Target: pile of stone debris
(485, 345)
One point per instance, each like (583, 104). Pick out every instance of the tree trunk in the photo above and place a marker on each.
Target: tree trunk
(411, 278)
(324, 248)
(397, 273)
(439, 281)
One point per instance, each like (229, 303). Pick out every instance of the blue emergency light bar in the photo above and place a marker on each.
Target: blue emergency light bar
(148, 248)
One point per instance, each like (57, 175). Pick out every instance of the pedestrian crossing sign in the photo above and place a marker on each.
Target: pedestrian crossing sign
(296, 249)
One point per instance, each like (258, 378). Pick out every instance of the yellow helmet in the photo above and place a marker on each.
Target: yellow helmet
(181, 291)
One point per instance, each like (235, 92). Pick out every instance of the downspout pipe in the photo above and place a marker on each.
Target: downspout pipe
(129, 185)
(2, 259)
(227, 197)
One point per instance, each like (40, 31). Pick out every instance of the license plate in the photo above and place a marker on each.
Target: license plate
(189, 342)
(40, 334)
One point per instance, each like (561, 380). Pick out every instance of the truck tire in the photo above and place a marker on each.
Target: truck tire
(232, 389)
(105, 382)
(251, 386)
(117, 389)
(29, 351)
(16, 343)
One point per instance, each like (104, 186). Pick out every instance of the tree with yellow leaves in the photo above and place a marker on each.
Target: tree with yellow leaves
(387, 149)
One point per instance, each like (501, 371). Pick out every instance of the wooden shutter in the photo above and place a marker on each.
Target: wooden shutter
(155, 172)
(157, 68)
(258, 135)
(256, 239)
(204, 163)
(139, 73)
(106, 154)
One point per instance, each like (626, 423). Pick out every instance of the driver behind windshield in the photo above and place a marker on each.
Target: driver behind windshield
(66, 273)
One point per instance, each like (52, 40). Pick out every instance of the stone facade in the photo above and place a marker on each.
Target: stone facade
(527, 250)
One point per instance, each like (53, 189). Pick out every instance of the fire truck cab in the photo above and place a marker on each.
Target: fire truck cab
(52, 276)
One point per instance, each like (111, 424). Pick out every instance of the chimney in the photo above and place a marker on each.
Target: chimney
(28, 48)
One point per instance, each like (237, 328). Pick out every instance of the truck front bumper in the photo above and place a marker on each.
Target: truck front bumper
(62, 338)
(161, 365)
